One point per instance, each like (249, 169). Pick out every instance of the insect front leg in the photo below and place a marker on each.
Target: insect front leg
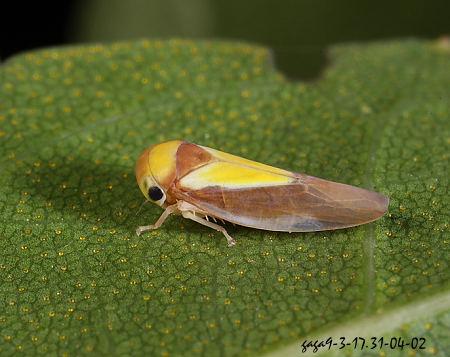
(169, 210)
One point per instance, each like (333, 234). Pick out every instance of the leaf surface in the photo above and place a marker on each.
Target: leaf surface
(75, 277)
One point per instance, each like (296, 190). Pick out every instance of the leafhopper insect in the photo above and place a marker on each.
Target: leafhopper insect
(204, 184)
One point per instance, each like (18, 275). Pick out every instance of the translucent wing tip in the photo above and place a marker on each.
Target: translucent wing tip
(380, 204)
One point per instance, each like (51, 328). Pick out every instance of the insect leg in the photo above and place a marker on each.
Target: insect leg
(169, 210)
(190, 215)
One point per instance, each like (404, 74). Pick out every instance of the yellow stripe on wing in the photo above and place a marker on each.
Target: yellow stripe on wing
(232, 175)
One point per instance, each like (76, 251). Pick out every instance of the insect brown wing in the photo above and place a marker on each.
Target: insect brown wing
(305, 205)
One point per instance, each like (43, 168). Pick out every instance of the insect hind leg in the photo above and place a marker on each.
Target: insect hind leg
(190, 215)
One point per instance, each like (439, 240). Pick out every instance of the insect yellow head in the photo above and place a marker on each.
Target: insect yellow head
(155, 171)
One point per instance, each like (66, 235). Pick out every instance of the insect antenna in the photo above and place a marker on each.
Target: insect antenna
(140, 207)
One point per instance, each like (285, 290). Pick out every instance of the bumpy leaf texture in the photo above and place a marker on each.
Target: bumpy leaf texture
(76, 279)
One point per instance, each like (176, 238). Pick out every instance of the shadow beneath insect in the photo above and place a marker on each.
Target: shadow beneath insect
(95, 194)
(105, 195)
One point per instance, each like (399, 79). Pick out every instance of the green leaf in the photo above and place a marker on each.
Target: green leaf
(76, 279)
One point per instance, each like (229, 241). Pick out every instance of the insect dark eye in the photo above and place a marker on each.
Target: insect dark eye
(155, 193)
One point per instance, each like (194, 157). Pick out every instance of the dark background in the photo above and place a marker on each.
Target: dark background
(298, 31)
